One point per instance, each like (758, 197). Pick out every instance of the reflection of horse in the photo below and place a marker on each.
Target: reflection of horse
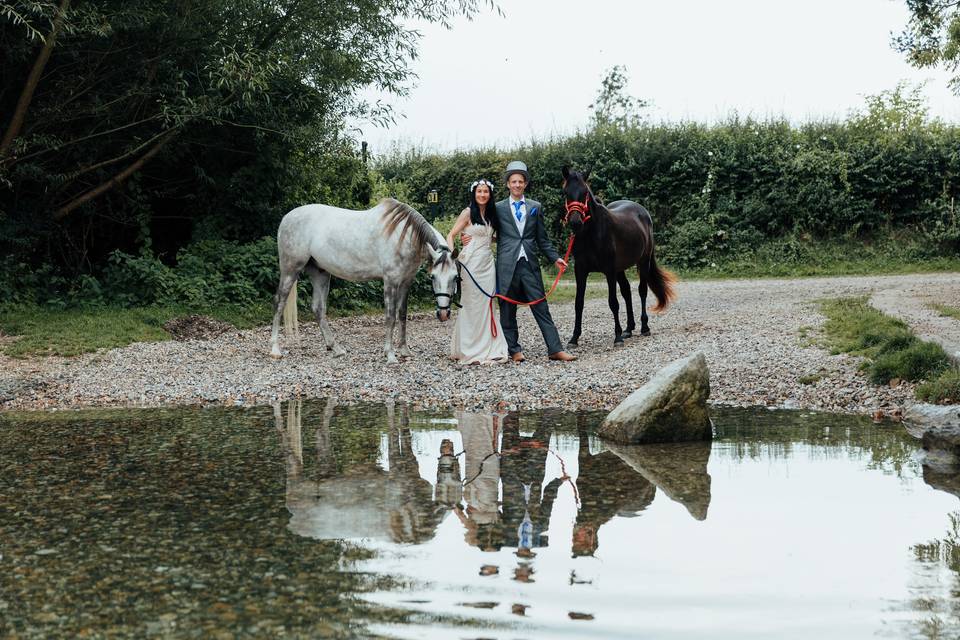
(608, 487)
(388, 242)
(612, 239)
(364, 500)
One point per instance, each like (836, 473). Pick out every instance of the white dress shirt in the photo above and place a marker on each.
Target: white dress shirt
(521, 223)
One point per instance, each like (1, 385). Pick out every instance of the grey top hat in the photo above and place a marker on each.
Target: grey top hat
(516, 167)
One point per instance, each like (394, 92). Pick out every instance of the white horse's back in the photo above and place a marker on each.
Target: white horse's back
(344, 243)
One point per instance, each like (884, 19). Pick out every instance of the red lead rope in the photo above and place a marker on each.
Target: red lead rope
(556, 281)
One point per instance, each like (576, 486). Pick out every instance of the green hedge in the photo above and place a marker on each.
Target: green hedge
(718, 190)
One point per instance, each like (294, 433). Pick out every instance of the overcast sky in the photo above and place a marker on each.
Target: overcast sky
(534, 71)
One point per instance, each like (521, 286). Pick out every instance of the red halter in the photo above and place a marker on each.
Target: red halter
(582, 208)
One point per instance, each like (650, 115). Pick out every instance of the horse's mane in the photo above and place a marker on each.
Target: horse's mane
(397, 213)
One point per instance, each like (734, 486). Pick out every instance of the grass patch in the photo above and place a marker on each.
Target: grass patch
(892, 350)
(944, 389)
(945, 310)
(46, 332)
(812, 378)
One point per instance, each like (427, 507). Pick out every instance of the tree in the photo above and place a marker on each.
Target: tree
(932, 36)
(126, 113)
(614, 106)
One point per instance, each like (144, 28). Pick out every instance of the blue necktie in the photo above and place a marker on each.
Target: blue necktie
(518, 213)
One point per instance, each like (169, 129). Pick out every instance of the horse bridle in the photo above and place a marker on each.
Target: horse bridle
(575, 206)
(449, 296)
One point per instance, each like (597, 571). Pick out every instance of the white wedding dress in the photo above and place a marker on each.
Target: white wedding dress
(473, 341)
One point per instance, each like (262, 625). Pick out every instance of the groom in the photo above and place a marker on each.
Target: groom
(521, 233)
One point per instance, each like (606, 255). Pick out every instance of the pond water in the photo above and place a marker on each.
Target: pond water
(313, 520)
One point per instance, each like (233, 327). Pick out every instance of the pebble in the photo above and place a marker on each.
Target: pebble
(756, 335)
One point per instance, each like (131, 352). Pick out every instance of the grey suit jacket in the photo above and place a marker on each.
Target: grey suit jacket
(509, 240)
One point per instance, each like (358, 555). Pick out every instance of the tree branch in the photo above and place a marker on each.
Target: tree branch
(80, 200)
(26, 96)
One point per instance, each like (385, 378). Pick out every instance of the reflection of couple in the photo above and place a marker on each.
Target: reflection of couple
(516, 224)
(520, 469)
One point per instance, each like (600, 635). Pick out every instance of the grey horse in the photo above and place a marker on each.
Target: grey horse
(388, 242)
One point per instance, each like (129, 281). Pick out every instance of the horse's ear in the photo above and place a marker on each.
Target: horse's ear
(566, 172)
(434, 253)
(585, 174)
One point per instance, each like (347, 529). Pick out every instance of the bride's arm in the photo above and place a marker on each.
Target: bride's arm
(462, 221)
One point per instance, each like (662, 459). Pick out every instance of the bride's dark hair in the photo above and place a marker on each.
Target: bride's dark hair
(490, 208)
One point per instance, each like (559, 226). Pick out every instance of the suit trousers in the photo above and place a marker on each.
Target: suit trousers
(527, 284)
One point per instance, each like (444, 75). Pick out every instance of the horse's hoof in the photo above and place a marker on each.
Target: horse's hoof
(406, 353)
(645, 332)
(572, 344)
(618, 342)
(392, 359)
(276, 356)
(339, 352)
(626, 334)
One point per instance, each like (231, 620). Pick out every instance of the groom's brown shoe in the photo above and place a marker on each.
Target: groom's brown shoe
(562, 356)
(518, 357)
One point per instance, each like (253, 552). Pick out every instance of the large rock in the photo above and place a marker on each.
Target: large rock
(919, 417)
(671, 407)
(677, 469)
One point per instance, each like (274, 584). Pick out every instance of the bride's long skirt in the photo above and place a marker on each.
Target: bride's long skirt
(473, 341)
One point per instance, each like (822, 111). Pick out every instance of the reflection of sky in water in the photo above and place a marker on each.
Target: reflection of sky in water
(800, 539)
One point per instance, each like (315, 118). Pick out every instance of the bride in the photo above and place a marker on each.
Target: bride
(473, 335)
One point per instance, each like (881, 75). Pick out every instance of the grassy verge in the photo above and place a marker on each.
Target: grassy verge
(891, 349)
(41, 331)
(946, 311)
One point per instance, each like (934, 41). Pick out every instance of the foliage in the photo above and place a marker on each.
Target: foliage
(932, 36)
(718, 193)
(944, 389)
(614, 107)
(892, 350)
(156, 124)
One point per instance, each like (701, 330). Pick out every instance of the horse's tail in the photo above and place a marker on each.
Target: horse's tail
(291, 324)
(661, 282)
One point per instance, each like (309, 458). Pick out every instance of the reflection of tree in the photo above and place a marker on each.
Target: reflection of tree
(353, 496)
(756, 433)
(942, 613)
(526, 504)
(608, 487)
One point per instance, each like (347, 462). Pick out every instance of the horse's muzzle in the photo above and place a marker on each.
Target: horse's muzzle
(443, 315)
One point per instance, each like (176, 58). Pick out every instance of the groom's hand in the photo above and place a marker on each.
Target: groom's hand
(561, 263)
(465, 239)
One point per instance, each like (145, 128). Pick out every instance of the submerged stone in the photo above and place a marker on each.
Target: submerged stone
(671, 407)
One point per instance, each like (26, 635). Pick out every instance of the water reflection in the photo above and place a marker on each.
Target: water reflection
(363, 499)
(318, 520)
(608, 487)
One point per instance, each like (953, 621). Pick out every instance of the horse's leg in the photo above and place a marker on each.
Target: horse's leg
(614, 308)
(581, 276)
(644, 328)
(390, 306)
(326, 462)
(628, 300)
(402, 347)
(321, 290)
(288, 280)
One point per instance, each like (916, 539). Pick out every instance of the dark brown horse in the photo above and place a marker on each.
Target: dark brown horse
(611, 239)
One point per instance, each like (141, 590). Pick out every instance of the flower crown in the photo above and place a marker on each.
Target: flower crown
(477, 183)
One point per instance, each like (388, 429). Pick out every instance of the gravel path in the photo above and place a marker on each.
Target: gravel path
(756, 335)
